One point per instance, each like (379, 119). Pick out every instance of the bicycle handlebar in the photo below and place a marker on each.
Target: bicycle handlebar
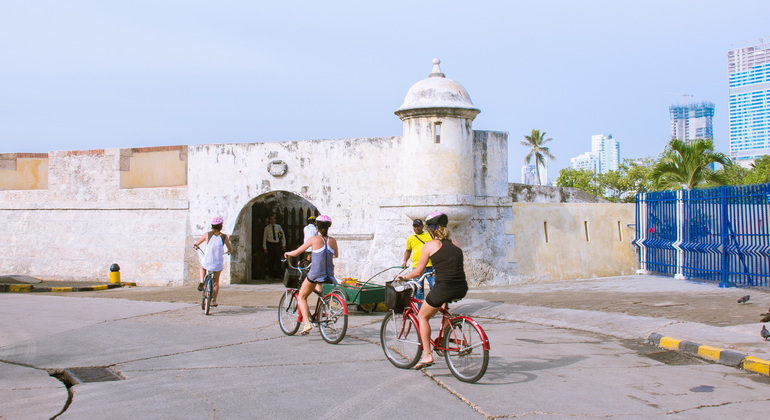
(296, 267)
(402, 283)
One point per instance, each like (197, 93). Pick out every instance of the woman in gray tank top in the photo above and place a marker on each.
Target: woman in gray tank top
(322, 269)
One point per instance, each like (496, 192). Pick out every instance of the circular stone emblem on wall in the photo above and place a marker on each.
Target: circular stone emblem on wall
(277, 168)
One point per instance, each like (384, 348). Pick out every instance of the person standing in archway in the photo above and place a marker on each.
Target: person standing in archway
(274, 244)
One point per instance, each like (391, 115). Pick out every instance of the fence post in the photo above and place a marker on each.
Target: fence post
(679, 234)
(641, 226)
(723, 248)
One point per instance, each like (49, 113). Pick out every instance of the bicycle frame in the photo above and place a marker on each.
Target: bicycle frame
(447, 318)
(321, 296)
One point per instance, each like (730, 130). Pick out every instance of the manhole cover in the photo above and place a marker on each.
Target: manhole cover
(91, 374)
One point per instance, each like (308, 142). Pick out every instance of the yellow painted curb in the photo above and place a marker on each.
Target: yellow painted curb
(669, 343)
(102, 287)
(61, 289)
(20, 288)
(710, 353)
(755, 364)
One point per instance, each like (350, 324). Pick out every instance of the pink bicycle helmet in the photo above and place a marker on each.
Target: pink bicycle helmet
(323, 218)
(216, 220)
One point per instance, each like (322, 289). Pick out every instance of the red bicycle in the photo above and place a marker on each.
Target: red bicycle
(461, 340)
(331, 311)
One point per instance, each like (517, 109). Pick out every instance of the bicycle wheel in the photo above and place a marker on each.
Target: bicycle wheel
(207, 284)
(333, 321)
(466, 356)
(288, 313)
(400, 340)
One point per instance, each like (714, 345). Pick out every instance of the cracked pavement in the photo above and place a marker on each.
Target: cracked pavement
(545, 361)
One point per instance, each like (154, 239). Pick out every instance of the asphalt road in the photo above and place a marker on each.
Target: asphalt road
(177, 363)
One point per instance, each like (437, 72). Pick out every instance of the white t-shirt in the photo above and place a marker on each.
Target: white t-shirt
(309, 231)
(215, 252)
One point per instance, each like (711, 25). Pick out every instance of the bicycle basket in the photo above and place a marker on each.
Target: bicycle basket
(291, 278)
(394, 300)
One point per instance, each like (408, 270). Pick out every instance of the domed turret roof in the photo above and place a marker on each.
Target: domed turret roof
(436, 92)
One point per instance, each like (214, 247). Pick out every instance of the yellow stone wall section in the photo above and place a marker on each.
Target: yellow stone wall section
(23, 171)
(559, 241)
(150, 167)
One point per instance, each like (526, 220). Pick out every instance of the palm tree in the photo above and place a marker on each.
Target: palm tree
(686, 165)
(535, 142)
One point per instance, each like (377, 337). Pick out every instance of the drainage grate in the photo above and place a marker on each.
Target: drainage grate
(90, 374)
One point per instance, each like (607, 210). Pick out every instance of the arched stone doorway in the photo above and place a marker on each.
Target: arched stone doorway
(291, 212)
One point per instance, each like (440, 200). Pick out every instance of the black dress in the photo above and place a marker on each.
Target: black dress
(450, 277)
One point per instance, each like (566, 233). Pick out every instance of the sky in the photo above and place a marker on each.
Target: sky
(92, 74)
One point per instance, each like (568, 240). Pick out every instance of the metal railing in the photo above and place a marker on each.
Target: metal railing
(717, 234)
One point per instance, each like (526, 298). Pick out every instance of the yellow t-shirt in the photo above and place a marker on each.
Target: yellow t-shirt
(414, 244)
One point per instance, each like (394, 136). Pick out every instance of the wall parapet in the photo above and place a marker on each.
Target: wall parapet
(525, 193)
(81, 205)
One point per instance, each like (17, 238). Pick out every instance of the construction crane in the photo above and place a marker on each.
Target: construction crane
(683, 95)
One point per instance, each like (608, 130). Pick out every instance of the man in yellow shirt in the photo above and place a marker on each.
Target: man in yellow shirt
(413, 248)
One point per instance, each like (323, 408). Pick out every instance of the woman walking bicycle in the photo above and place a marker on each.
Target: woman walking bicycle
(450, 283)
(322, 269)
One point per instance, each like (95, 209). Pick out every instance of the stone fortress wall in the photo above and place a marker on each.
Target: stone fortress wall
(83, 220)
(71, 214)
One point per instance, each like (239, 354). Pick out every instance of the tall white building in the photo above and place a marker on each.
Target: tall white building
(603, 157)
(588, 161)
(608, 150)
(748, 71)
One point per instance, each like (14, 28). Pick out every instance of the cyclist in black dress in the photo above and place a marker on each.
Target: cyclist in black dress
(450, 283)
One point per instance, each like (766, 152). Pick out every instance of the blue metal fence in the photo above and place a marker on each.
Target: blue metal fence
(715, 234)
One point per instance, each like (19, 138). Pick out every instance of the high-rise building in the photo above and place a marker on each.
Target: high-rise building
(748, 71)
(587, 161)
(608, 150)
(603, 157)
(529, 175)
(694, 121)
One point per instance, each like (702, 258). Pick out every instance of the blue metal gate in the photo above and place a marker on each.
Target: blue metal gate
(715, 234)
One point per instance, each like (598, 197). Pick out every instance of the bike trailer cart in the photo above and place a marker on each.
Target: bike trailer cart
(364, 295)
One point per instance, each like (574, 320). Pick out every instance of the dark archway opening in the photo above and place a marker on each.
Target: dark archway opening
(291, 212)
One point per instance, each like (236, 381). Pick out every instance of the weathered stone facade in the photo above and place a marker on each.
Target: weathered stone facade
(143, 208)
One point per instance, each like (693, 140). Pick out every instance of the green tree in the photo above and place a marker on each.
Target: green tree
(760, 171)
(535, 142)
(581, 179)
(636, 176)
(686, 165)
(735, 174)
(621, 186)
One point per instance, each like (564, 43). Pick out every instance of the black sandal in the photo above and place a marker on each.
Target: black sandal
(422, 365)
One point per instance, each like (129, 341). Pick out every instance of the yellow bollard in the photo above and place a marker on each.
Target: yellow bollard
(114, 273)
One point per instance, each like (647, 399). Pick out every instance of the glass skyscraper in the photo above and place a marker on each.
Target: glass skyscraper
(694, 121)
(748, 70)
